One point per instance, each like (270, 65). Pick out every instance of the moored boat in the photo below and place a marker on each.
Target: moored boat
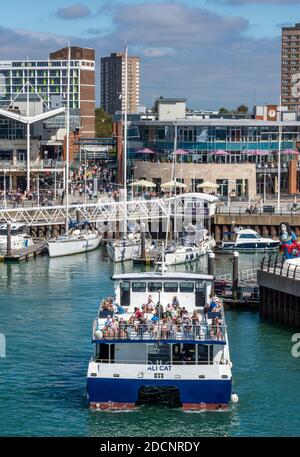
(249, 240)
(75, 242)
(19, 237)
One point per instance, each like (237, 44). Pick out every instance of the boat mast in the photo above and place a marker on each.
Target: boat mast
(125, 142)
(279, 165)
(68, 137)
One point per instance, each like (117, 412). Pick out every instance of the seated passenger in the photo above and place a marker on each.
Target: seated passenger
(120, 309)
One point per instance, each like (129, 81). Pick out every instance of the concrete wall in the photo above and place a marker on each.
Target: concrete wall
(171, 111)
(207, 172)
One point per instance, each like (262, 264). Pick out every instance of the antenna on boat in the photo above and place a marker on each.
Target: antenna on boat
(125, 141)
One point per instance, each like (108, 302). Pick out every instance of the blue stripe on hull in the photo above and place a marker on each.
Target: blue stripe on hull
(127, 390)
(251, 246)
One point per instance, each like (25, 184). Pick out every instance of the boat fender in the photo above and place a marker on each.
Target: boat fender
(230, 364)
(234, 398)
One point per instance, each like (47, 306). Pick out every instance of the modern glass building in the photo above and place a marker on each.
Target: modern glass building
(220, 145)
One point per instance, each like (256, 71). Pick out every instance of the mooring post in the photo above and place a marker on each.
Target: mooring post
(211, 269)
(77, 216)
(143, 241)
(8, 240)
(235, 274)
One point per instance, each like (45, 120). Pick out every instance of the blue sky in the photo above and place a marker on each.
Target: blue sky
(213, 52)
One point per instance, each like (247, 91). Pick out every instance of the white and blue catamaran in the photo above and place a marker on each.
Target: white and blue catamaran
(159, 332)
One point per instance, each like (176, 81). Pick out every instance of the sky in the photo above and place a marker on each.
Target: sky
(212, 52)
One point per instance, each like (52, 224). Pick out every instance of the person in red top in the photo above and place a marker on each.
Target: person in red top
(138, 313)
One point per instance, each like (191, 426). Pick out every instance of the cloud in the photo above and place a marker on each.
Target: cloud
(246, 2)
(76, 11)
(186, 52)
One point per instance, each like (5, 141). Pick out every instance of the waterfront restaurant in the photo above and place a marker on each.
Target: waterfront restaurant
(239, 155)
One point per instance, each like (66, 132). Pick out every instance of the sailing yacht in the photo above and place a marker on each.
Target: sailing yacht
(126, 248)
(79, 240)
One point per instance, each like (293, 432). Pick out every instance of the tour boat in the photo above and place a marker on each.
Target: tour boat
(76, 242)
(160, 352)
(247, 240)
(19, 238)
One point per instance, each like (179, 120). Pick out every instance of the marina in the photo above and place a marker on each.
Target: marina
(47, 321)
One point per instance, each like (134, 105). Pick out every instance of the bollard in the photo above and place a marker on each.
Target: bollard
(235, 274)
(143, 241)
(8, 240)
(211, 269)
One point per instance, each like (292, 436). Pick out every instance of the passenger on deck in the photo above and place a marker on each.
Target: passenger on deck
(108, 321)
(138, 313)
(159, 310)
(175, 301)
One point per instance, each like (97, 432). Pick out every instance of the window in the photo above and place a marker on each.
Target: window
(254, 237)
(125, 286)
(171, 287)
(138, 287)
(154, 286)
(187, 287)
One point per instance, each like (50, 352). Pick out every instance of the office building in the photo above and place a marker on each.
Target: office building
(48, 79)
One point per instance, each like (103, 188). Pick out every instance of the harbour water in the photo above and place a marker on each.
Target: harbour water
(46, 312)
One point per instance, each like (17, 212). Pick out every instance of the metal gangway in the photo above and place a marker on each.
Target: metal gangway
(110, 211)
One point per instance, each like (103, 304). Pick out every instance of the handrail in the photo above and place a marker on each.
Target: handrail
(161, 331)
(154, 364)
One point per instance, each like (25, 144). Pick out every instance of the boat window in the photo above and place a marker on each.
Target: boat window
(187, 287)
(250, 236)
(202, 353)
(200, 285)
(3, 232)
(171, 287)
(138, 287)
(125, 286)
(154, 286)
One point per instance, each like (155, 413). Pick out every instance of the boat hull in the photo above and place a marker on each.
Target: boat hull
(107, 393)
(70, 247)
(263, 246)
(187, 256)
(118, 253)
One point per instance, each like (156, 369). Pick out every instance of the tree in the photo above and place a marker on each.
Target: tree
(242, 109)
(223, 110)
(103, 124)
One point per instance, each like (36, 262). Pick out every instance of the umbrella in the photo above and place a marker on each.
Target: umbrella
(289, 151)
(145, 151)
(256, 152)
(181, 152)
(173, 184)
(143, 183)
(220, 152)
(207, 185)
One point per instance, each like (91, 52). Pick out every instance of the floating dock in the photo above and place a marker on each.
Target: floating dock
(27, 253)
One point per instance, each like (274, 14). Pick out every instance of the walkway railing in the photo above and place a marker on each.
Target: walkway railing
(106, 211)
(278, 266)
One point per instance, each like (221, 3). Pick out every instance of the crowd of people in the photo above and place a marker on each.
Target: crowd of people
(155, 321)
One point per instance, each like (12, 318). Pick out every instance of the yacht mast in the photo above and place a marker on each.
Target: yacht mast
(125, 141)
(68, 137)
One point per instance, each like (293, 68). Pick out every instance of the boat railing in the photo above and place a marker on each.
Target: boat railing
(161, 331)
(155, 364)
